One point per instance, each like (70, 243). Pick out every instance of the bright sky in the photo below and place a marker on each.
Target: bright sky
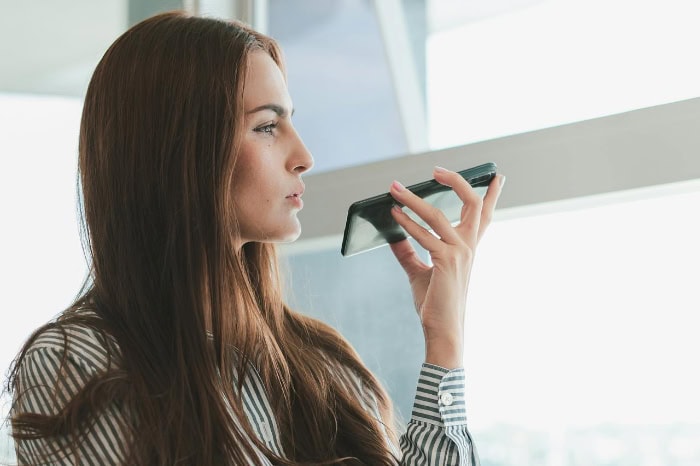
(42, 264)
(556, 62)
(589, 315)
(586, 316)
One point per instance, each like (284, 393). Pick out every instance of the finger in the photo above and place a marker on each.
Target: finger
(471, 212)
(490, 200)
(408, 258)
(428, 213)
(424, 237)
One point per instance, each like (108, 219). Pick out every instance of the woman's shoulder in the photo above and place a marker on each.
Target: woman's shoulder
(78, 337)
(52, 379)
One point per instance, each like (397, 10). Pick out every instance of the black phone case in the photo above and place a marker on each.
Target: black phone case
(370, 225)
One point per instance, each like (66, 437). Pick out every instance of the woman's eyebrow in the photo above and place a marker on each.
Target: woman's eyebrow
(278, 109)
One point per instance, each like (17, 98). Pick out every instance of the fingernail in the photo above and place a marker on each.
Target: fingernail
(397, 186)
(503, 180)
(397, 209)
(440, 169)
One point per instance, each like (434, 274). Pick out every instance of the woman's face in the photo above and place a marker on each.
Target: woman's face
(267, 180)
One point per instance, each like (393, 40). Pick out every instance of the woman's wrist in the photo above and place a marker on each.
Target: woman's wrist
(447, 354)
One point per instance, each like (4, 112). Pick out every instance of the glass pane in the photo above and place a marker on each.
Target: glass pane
(582, 330)
(52, 47)
(582, 337)
(367, 299)
(40, 245)
(340, 81)
(506, 67)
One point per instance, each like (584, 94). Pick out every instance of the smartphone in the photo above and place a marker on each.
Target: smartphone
(370, 225)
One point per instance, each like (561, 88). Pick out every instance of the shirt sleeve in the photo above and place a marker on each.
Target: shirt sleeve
(437, 432)
(46, 381)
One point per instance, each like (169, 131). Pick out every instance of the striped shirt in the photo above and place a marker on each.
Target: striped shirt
(435, 435)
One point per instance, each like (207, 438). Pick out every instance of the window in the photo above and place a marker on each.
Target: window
(42, 259)
(582, 318)
(496, 68)
(582, 335)
(582, 323)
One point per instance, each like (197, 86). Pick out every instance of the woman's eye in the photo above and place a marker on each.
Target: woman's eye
(267, 129)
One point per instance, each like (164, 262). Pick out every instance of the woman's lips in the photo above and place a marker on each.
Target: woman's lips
(296, 200)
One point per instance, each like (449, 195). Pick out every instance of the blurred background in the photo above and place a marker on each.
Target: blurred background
(582, 321)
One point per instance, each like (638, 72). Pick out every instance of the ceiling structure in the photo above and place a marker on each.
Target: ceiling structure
(49, 47)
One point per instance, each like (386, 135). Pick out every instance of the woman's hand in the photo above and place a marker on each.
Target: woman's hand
(440, 290)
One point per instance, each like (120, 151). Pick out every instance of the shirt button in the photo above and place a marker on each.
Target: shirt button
(446, 398)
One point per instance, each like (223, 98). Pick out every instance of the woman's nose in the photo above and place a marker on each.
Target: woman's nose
(302, 161)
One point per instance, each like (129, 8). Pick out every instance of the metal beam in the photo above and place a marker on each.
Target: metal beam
(407, 85)
(252, 12)
(142, 9)
(614, 154)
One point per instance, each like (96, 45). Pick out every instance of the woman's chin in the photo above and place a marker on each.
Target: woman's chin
(288, 236)
(292, 237)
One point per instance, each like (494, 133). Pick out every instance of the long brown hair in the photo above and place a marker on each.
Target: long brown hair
(159, 139)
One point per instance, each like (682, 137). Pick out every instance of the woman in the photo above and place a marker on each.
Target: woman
(180, 349)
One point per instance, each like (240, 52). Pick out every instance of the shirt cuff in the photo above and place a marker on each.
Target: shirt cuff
(440, 397)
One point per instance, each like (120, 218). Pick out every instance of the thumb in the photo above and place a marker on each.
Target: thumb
(408, 258)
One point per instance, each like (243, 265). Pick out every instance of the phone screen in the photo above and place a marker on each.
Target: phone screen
(370, 225)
